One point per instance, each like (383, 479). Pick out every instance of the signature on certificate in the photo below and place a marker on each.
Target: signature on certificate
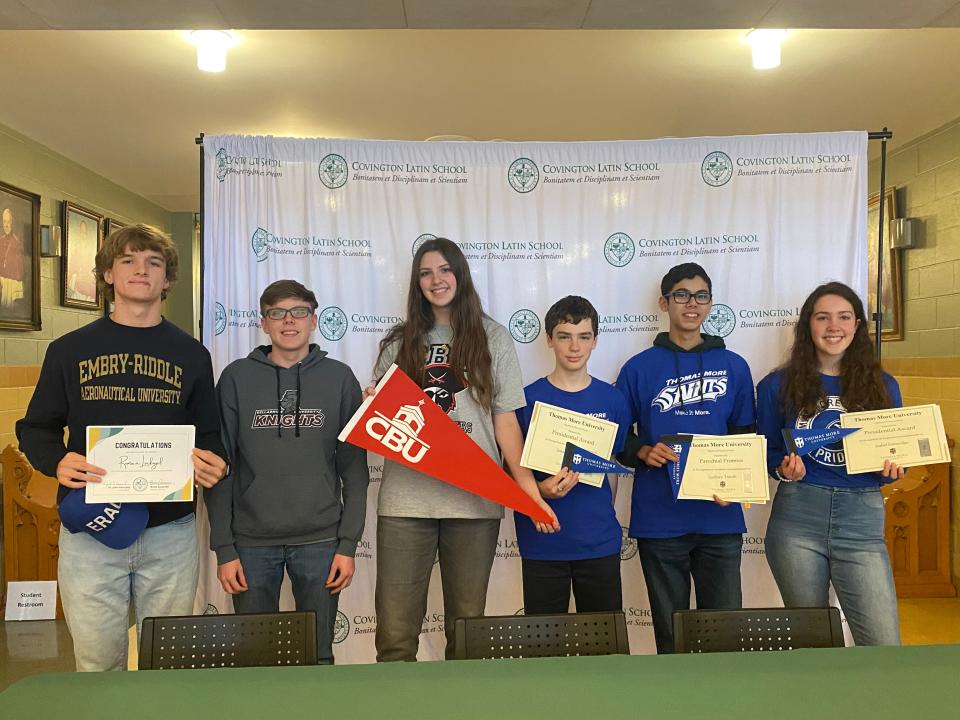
(141, 462)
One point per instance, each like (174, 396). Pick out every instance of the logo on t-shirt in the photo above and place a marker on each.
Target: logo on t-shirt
(827, 418)
(692, 390)
(440, 382)
(268, 418)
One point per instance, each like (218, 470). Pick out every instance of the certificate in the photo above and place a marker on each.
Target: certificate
(144, 463)
(552, 427)
(907, 436)
(732, 467)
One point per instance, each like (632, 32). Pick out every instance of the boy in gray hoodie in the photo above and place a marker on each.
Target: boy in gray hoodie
(295, 497)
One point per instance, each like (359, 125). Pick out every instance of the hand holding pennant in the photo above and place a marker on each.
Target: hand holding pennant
(402, 424)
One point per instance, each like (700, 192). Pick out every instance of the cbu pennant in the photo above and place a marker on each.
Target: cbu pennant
(805, 440)
(401, 423)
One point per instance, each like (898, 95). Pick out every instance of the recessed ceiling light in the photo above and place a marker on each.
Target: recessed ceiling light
(766, 47)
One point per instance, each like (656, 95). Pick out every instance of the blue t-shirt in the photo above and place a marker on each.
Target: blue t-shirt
(588, 524)
(706, 391)
(825, 465)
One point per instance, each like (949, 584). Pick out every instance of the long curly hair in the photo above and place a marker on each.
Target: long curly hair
(469, 353)
(861, 377)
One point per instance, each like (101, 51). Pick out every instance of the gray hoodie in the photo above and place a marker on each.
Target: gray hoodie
(291, 481)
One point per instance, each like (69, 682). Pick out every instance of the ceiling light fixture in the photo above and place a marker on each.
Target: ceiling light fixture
(212, 48)
(766, 47)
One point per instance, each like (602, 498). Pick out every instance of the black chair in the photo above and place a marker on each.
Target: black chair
(516, 636)
(213, 641)
(756, 629)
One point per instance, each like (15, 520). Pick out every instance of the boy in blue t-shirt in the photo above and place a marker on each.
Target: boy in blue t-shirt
(586, 550)
(686, 383)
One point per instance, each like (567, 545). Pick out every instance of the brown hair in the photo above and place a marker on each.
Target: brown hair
(135, 238)
(469, 351)
(284, 289)
(861, 377)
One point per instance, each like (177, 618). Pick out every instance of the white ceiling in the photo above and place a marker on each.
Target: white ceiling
(128, 104)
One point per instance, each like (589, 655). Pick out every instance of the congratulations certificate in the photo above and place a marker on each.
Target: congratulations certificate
(144, 463)
(907, 436)
(732, 467)
(552, 427)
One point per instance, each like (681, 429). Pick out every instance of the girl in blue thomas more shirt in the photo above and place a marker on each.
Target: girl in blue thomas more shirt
(826, 525)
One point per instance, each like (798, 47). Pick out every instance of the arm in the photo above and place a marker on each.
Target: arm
(770, 423)
(209, 456)
(351, 466)
(40, 432)
(506, 429)
(219, 498)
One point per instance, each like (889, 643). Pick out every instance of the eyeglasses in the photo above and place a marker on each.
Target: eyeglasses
(682, 297)
(280, 313)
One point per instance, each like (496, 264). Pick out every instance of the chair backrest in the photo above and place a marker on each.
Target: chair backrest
(755, 629)
(213, 641)
(515, 636)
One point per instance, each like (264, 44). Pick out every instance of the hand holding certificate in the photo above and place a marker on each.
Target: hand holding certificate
(907, 436)
(729, 467)
(552, 427)
(144, 463)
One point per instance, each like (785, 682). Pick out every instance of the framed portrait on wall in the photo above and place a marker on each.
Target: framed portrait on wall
(891, 303)
(82, 233)
(111, 225)
(19, 259)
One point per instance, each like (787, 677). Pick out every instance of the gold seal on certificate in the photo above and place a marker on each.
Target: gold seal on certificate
(907, 436)
(144, 463)
(730, 467)
(552, 427)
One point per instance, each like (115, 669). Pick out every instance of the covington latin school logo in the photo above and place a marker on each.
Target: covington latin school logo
(333, 171)
(691, 390)
(341, 627)
(721, 321)
(221, 164)
(628, 546)
(524, 326)
(619, 249)
(332, 322)
(400, 433)
(259, 242)
(716, 169)
(421, 240)
(523, 175)
(219, 319)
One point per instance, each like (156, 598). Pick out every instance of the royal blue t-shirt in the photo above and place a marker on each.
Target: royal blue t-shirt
(588, 524)
(706, 391)
(825, 465)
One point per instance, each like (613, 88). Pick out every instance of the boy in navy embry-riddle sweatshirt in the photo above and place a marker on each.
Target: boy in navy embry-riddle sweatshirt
(687, 382)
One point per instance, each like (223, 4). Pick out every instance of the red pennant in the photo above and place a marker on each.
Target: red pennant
(402, 424)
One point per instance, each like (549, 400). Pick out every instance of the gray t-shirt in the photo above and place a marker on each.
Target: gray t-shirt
(408, 493)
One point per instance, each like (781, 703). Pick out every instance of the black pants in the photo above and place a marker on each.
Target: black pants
(596, 585)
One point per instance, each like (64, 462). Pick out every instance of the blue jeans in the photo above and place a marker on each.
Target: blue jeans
(668, 564)
(406, 550)
(158, 573)
(818, 535)
(308, 567)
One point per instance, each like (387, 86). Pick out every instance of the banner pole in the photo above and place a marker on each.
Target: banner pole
(199, 141)
(878, 313)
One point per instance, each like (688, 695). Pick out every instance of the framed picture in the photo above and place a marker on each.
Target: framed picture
(19, 259)
(111, 225)
(891, 303)
(82, 232)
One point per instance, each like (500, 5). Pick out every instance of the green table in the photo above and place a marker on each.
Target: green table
(849, 683)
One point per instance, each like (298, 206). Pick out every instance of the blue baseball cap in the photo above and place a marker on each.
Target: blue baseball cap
(116, 525)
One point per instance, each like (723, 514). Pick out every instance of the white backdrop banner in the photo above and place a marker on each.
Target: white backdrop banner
(768, 216)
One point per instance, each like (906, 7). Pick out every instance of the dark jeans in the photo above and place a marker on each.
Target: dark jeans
(308, 567)
(595, 582)
(406, 550)
(668, 564)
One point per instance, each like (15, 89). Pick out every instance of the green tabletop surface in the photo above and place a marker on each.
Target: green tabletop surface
(843, 683)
